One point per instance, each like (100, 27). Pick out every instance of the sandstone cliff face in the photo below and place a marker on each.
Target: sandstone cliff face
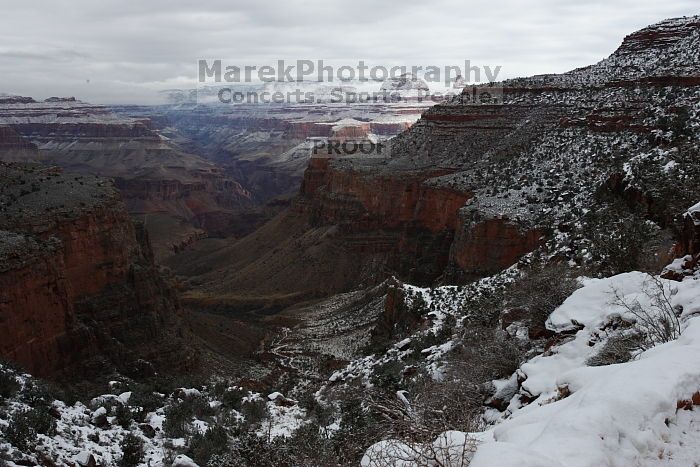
(689, 241)
(84, 290)
(396, 214)
(660, 35)
(36, 310)
(485, 247)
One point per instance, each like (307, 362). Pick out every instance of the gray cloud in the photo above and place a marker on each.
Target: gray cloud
(130, 49)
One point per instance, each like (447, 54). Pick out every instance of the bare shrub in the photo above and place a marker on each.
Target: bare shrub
(541, 289)
(656, 320)
(415, 423)
(484, 354)
(617, 349)
(417, 427)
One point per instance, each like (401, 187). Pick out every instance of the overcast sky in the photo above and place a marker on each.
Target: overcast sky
(107, 51)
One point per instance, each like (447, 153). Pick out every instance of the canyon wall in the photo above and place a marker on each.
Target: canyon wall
(475, 185)
(85, 294)
(36, 310)
(395, 214)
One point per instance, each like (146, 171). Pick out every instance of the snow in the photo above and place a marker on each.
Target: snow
(694, 208)
(694, 213)
(184, 461)
(443, 303)
(275, 395)
(677, 264)
(83, 458)
(200, 426)
(670, 165)
(591, 305)
(156, 419)
(103, 399)
(98, 413)
(283, 421)
(392, 453)
(124, 397)
(613, 415)
(188, 392)
(616, 413)
(682, 447)
(450, 448)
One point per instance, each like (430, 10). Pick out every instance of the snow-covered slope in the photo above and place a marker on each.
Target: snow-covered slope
(589, 416)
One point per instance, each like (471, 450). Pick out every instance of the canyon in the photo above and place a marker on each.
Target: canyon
(179, 196)
(494, 240)
(252, 221)
(84, 275)
(472, 187)
(468, 191)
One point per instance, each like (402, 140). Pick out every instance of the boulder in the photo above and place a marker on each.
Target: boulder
(99, 418)
(85, 459)
(184, 461)
(147, 430)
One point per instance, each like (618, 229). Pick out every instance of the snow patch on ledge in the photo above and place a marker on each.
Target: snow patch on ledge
(694, 213)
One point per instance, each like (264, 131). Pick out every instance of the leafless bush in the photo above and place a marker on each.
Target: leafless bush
(541, 289)
(416, 422)
(617, 349)
(656, 320)
(445, 451)
(484, 354)
(419, 427)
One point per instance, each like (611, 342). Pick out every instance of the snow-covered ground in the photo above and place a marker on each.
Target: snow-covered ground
(624, 414)
(91, 433)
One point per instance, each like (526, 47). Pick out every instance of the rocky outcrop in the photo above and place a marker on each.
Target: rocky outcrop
(389, 128)
(84, 290)
(397, 214)
(16, 100)
(660, 35)
(405, 82)
(691, 233)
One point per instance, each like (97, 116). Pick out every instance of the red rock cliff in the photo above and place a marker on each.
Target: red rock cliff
(80, 291)
(398, 214)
